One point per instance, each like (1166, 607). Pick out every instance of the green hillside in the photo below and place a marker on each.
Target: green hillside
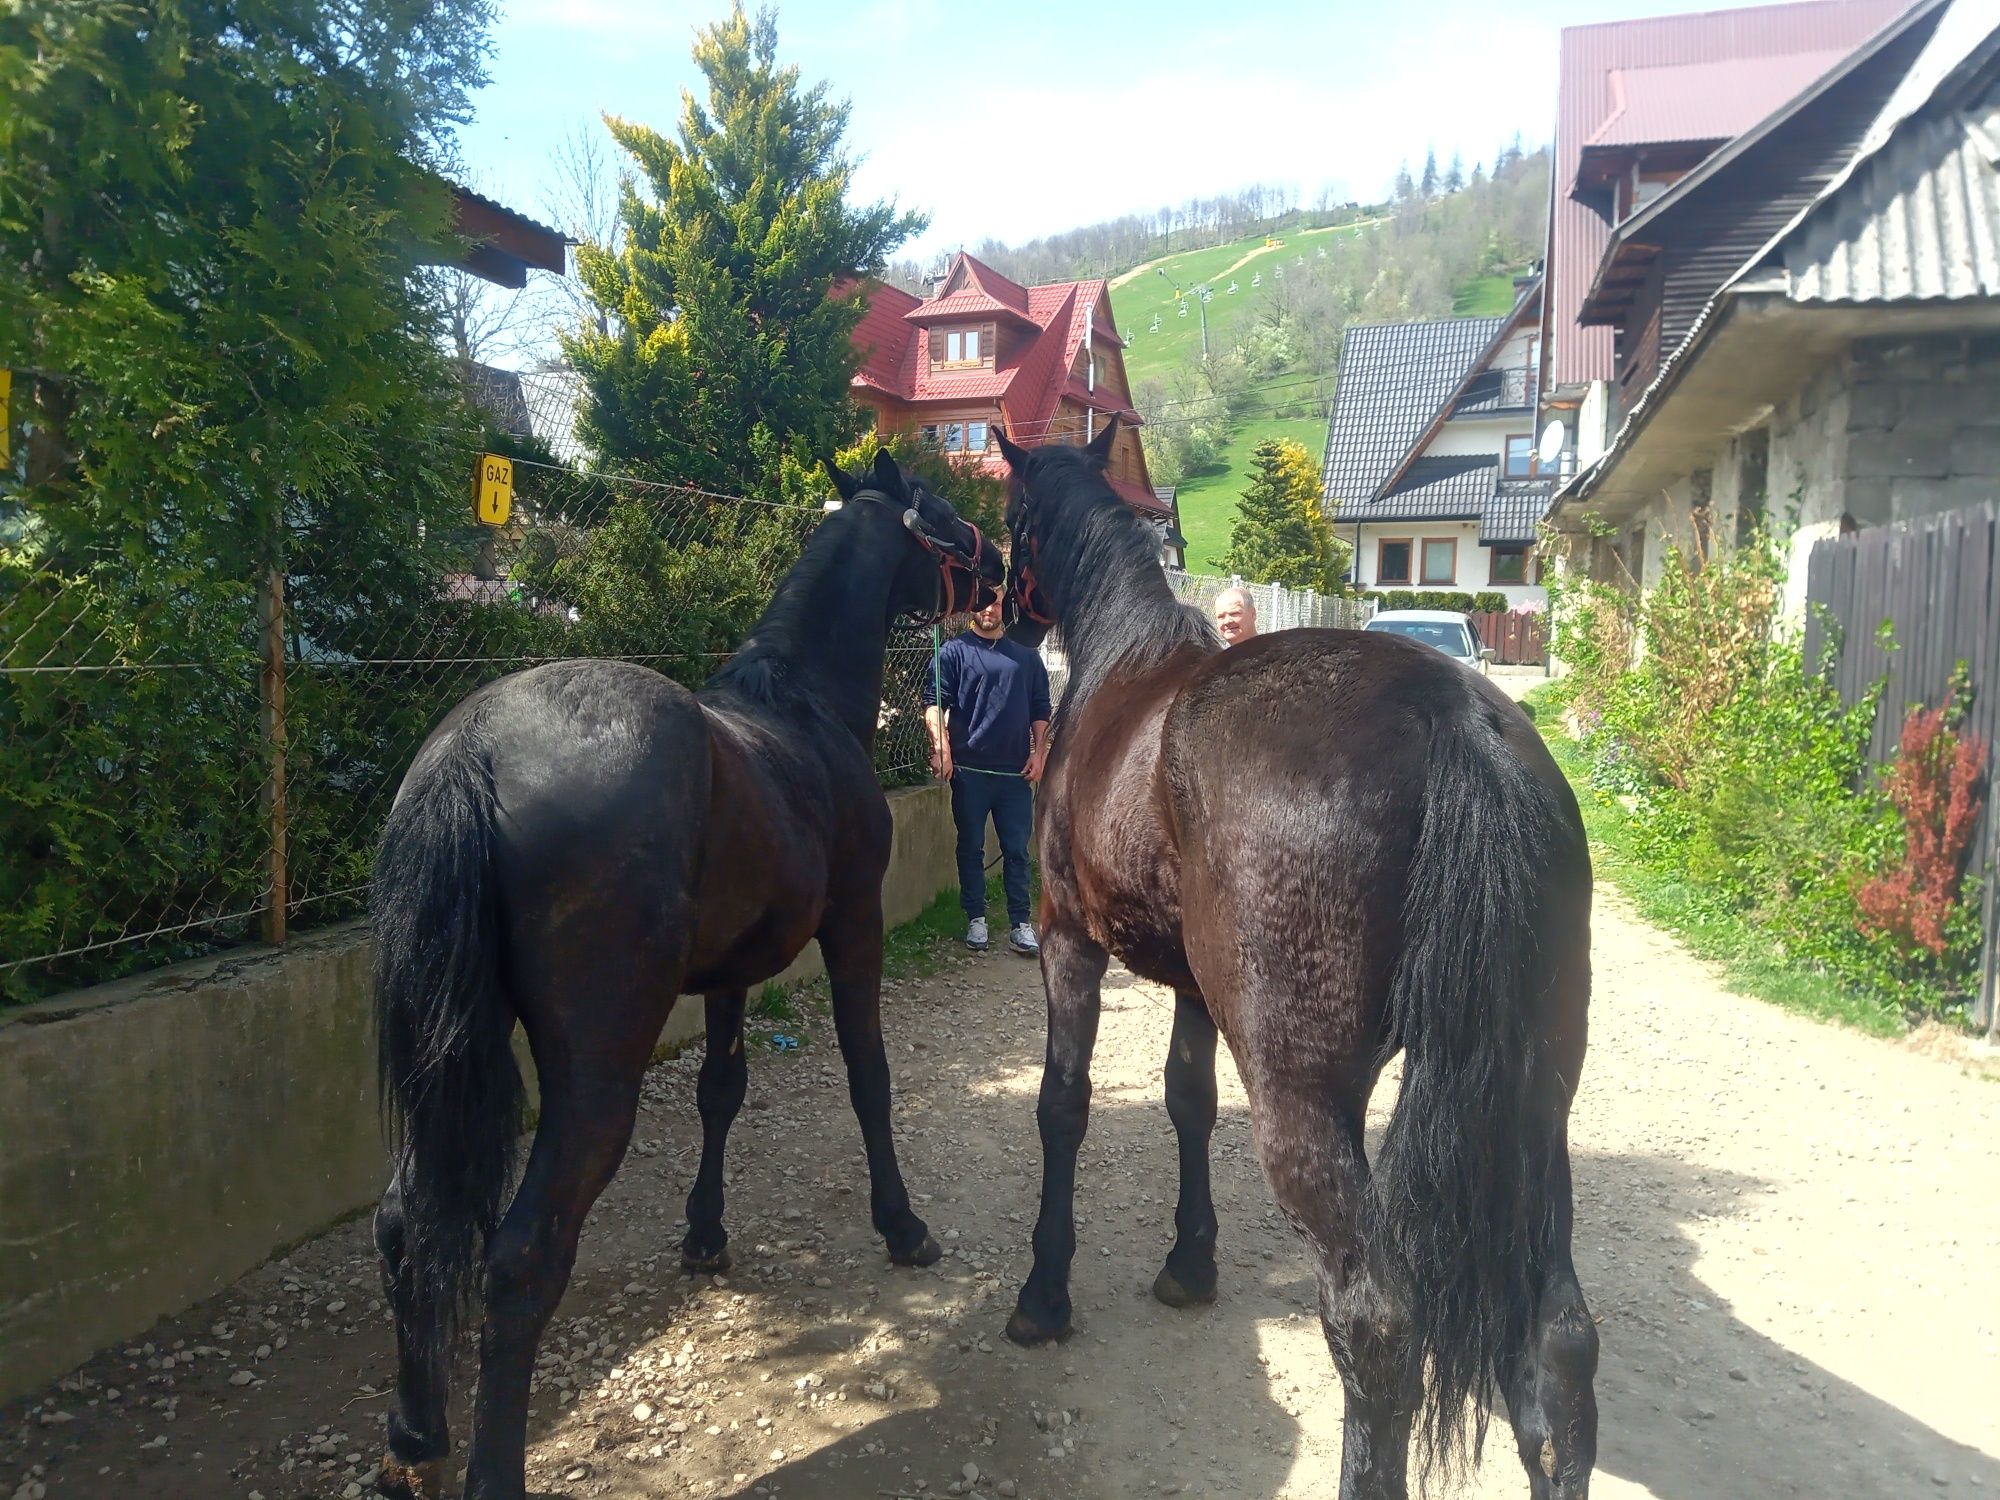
(1274, 340)
(1483, 297)
(1141, 296)
(1208, 500)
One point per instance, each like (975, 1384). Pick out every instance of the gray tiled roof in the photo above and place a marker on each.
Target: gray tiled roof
(1463, 487)
(1514, 511)
(1457, 488)
(1393, 379)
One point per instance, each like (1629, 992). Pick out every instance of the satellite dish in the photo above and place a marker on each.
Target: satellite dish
(1553, 438)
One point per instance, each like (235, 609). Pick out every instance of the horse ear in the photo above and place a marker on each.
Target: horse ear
(889, 474)
(843, 482)
(1099, 447)
(1017, 457)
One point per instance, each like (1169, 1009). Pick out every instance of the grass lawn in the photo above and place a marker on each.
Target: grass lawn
(1156, 356)
(1753, 962)
(1208, 501)
(1485, 297)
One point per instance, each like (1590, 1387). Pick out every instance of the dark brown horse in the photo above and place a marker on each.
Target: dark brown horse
(1332, 846)
(575, 847)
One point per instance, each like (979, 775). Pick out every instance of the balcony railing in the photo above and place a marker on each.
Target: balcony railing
(1500, 390)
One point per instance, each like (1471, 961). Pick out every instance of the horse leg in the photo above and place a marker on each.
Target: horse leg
(419, 1443)
(1189, 1274)
(851, 944)
(588, 1109)
(718, 1093)
(1310, 1143)
(1550, 1396)
(1072, 969)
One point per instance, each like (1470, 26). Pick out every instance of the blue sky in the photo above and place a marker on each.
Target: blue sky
(1022, 118)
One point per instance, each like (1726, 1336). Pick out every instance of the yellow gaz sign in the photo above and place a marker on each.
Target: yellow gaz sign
(495, 485)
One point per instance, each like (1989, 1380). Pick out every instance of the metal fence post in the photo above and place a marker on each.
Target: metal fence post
(271, 694)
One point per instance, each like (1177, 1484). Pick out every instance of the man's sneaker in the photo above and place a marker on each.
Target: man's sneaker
(975, 935)
(1022, 940)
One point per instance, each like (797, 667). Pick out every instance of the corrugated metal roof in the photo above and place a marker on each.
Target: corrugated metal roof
(1394, 378)
(1732, 61)
(1704, 101)
(1916, 216)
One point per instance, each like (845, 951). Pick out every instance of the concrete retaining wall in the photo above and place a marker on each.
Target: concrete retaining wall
(161, 1135)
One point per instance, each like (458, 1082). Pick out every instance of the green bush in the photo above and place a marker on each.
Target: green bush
(1741, 770)
(1489, 602)
(1447, 599)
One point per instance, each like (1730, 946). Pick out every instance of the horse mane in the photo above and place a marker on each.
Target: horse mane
(762, 669)
(1101, 565)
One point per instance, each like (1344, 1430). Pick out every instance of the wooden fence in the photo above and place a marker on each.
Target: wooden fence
(1517, 638)
(1907, 605)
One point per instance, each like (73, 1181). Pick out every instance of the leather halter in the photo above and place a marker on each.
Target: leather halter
(952, 564)
(1025, 592)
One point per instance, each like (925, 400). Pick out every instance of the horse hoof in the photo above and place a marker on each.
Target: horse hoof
(1170, 1290)
(1030, 1334)
(401, 1481)
(706, 1265)
(927, 1253)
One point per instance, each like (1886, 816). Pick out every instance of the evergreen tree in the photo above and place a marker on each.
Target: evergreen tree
(227, 372)
(1454, 179)
(1279, 536)
(727, 348)
(1405, 188)
(208, 218)
(1428, 183)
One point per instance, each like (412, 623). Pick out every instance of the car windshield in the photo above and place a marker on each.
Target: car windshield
(1449, 638)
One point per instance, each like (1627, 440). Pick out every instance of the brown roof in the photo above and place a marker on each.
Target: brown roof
(1689, 78)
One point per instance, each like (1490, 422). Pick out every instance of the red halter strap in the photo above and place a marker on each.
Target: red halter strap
(949, 563)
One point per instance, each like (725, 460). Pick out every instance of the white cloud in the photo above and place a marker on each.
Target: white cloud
(1042, 159)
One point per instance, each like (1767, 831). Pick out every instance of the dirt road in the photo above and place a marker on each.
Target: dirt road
(1787, 1230)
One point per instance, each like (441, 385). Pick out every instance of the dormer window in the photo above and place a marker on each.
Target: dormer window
(961, 348)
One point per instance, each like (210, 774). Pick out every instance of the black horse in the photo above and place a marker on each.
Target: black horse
(575, 847)
(1332, 846)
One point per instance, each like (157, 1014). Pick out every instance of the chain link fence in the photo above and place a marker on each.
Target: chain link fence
(1278, 608)
(190, 765)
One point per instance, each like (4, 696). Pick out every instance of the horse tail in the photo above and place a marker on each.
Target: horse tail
(450, 1085)
(1464, 1207)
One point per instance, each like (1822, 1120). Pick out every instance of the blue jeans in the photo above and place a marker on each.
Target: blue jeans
(1011, 803)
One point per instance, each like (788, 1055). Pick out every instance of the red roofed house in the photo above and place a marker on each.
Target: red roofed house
(1044, 363)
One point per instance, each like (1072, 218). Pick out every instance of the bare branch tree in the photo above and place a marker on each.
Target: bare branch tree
(484, 324)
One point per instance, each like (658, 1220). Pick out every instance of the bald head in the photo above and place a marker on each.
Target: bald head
(1235, 616)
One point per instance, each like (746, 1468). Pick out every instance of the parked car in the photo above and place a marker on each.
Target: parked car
(1439, 629)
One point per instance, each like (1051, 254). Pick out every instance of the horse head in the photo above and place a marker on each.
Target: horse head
(1052, 486)
(947, 566)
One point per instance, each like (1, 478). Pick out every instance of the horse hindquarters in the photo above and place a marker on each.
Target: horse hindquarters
(449, 1082)
(1469, 1208)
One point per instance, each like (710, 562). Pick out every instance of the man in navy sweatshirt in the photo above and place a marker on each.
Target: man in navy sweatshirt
(988, 714)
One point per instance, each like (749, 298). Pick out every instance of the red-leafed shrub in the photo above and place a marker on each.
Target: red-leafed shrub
(1935, 785)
